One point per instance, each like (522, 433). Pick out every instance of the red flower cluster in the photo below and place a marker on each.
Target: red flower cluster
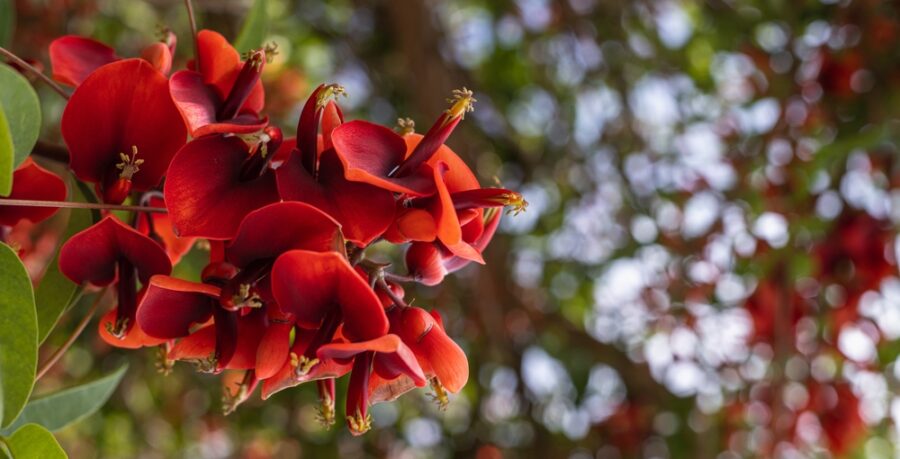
(288, 295)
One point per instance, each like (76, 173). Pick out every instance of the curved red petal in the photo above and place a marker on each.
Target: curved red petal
(122, 105)
(250, 331)
(220, 65)
(308, 284)
(424, 262)
(245, 123)
(176, 247)
(392, 359)
(204, 190)
(172, 306)
(454, 264)
(159, 56)
(445, 357)
(274, 349)
(370, 152)
(458, 176)
(73, 58)
(449, 230)
(31, 181)
(198, 345)
(364, 211)
(276, 228)
(196, 102)
(136, 338)
(417, 225)
(92, 254)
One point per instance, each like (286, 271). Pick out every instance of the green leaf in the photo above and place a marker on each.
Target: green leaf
(7, 156)
(255, 27)
(23, 111)
(34, 442)
(62, 408)
(56, 292)
(7, 22)
(18, 336)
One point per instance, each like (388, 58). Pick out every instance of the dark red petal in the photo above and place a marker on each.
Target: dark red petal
(364, 211)
(159, 55)
(196, 101)
(204, 190)
(332, 117)
(430, 144)
(198, 345)
(31, 181)
(424, 262)
(92, 254)
(273, 349)
(172, 306)
(282, 226)
(220, 65)
(308, 284)
(370, 152)
(73, 58)
(448, 227)
(122, 105)
(392, 357)
(250, 331)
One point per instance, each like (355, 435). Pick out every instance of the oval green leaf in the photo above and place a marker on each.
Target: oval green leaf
(56, 292)
(18, 336)
(255, 27)
(7, 156)
(62, 408)
(34, 442)
(23, 112)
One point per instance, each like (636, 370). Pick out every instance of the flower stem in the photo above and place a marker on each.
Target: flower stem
(74, 336)
(9, 55)
(390, 293)
(77, 205)
(193, 22)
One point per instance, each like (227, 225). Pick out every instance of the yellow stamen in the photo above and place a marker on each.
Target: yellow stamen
(129, 165)
(463, 101)
(206, 365)
(331, 91)
(405, 126)
(163, 363)
(359, 424)
(326, 414)
(516, 201)
(440, 394)
(302, 364)
(247, 299)
(117, 329)
(230, 401)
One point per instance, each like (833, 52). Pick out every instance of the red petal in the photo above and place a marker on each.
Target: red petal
(199, 345)
(91, 255)
(220, 64)
(285, 377)
(204, 190)
(273, 350)
(417, 225)
(196, 101)
(73, 58)
(448, 227)
(424, 261)
(363, 210)
(159, 56)
(436, 352)
(332, 117)
(277, 228)
(172, 306)
(454, 264)
(370, 152)
(393, 358)
(308, 284)
(120, 106)
(250, 331)
(458, 176)
(136, 338)
(31, 181)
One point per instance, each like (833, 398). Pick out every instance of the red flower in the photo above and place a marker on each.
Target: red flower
(442, 360)
(122, 129)
(313, 173)
(73, 58)
(158, 225)
(111, 251)
(386, 357)
(223, 95)
(213, 183)
(31, 181)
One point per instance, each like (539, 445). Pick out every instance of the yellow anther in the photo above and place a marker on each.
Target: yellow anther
(516, 202)
(117, 329)
(326, 414)
(440, 394)
(405, 126)
(302, 364)
(247, 299)
(331, 91)
(130, 165)
(359, 424)
(463, 101)
(163, 363)
(230, 401)
(206, 365)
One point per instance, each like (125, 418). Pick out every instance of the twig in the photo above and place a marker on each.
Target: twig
(74, 336)
(78, 205)
(9, 55)
(390, 293)
(193, 22)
